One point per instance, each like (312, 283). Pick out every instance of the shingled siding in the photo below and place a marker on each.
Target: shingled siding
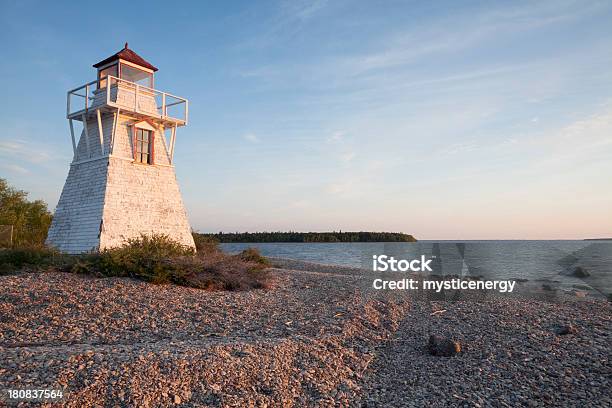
(76, 222)
(107, 200)
(142, 199)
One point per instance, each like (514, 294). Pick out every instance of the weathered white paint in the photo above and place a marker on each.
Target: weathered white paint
(172, 140)
(115, 116)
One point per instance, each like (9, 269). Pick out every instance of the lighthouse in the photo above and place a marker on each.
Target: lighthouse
(121, 183)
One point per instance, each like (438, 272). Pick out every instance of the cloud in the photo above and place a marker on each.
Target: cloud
(302, 9)
(594, 130)
(251, 138)
(289, 19)
(23, 150)
(14, 168)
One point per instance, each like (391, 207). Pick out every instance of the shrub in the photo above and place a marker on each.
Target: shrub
(219, 271)
(36, 256)
(140, 258)
(205, 244)
(253, 255)
(159, 260)
(156, 259)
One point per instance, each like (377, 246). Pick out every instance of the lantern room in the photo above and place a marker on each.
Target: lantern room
(126, 65)
(125, 82)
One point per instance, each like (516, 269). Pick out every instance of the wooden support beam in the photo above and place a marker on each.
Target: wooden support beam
(84, 119)
(86, 97)
(100, 131)
(115, 120)
(74, 147)
(172, 140)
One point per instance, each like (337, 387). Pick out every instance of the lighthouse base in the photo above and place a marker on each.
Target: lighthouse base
(110, 198)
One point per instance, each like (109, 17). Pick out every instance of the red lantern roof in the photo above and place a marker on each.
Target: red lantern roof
(127, 55)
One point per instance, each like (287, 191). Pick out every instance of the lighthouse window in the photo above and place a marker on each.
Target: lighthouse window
(143, 146)
(113, 70)
(133, 74)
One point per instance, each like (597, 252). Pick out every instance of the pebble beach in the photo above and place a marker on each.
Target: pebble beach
(316, 338)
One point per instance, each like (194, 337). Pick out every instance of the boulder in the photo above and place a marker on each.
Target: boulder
(580, 272)
(443, 347)
(566, 329)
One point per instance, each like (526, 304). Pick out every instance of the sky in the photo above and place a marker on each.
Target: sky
(445, 120)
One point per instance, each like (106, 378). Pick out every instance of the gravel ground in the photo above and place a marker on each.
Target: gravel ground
(120, 342)
(315, 339)
(511, 356)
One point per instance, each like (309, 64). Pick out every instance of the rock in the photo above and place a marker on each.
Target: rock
(580, 272)
(177, 399)
(444, 347)
(566, 329)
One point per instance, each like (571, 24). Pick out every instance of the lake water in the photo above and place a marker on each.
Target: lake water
(531, 260)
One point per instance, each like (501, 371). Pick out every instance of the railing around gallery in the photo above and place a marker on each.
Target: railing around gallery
(166, 106)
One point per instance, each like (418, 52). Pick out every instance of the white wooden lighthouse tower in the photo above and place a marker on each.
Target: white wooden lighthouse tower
(121, 182)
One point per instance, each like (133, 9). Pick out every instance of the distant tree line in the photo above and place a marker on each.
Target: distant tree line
(362, 236)
(30, 219)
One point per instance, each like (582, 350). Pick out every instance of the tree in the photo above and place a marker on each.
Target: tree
(30, 219)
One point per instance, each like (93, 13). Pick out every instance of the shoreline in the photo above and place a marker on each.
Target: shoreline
(316, 338)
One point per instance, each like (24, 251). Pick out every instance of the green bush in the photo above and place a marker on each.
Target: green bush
(159, 260)
(253, 255)
(156, 259)
(205, 244)
(38, 257)
(141, 258)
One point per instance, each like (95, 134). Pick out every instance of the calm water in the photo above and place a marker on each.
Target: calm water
(532, 260)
